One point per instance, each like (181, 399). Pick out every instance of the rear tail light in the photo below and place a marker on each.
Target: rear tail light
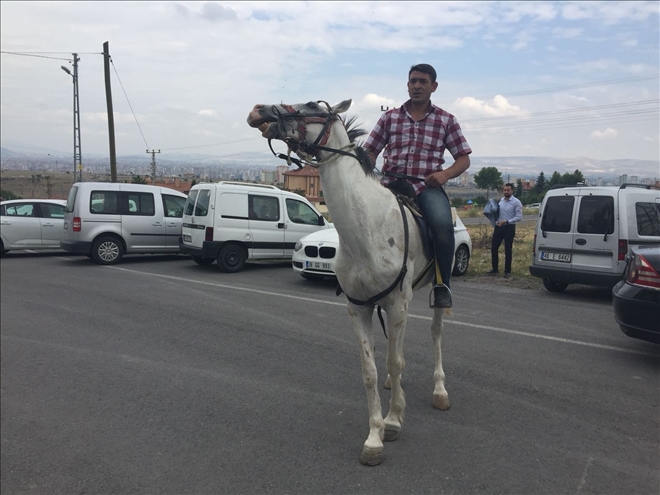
(77, 224)
(208, 234)
(642, 273)
(623, 249)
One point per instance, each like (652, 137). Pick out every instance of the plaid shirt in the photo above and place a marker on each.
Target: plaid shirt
(416, 148)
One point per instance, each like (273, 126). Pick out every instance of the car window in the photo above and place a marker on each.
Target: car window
(71, 199)
(173, 206)
(203, 200)
(104, 202)
(300, 212)
(49, 210)
(648, 218)
(20, 210)
(190, 202)
(141, 204)
(265, 208)
(596, 215)
(558, 214)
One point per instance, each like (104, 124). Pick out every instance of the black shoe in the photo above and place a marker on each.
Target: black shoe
(507, 275)
(492, 272)
(441, 297)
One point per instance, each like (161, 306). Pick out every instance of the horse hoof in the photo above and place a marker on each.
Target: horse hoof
(371, 457)
(441, 402)
(390, 435)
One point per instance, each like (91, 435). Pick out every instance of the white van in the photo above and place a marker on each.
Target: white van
(584, 233)
(233, 222)
(106, 220)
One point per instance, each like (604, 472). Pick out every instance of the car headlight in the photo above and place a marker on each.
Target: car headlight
(297, 247)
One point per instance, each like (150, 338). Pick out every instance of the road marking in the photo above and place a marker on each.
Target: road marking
(343, 304)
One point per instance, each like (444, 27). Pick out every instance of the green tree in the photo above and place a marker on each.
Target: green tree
(137, 179)
(5, 194)
(554, 180)
(539, 187)
(488, 178)
(519, 189)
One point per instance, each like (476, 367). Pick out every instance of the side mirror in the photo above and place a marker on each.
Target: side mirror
(321, 220)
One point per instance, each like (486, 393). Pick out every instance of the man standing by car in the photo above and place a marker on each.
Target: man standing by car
(415, 137)
(505, 230)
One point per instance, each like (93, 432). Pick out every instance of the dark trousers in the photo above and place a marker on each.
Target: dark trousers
(504, 233)
(437, 212)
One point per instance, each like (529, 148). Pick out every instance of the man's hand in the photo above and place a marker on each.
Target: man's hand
(501, 222)
(437, 179)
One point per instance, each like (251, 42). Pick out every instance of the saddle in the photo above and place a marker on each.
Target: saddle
(405, 192)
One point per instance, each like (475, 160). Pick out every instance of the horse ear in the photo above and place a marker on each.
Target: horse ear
(342, 107)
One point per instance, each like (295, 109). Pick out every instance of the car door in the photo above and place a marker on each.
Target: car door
(267, 226)
(173, 214)
(555, 242)
(301, 220)
(595, 244)
(21, 226)
(143, 225)
(52, 224)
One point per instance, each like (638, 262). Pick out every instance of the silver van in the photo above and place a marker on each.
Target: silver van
(107, 220)
(233, 222)
(584, 233)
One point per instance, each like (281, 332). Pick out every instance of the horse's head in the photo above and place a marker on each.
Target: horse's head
(305, 127)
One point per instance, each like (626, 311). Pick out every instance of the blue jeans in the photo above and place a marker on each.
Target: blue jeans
(437, 212)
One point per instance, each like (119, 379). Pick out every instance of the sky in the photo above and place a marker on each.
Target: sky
(558, 79)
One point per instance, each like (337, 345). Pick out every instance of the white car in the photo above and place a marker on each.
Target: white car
(314, 255)
(534, 206)
(31, 224)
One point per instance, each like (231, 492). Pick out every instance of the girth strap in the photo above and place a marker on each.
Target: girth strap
(397, 281)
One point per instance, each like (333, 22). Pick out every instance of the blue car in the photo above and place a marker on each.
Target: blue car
(636, 299)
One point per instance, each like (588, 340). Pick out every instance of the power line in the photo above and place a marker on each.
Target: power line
(215, 144)
(38, 56)
(129, 103)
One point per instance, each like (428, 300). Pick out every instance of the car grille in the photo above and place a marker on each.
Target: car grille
(326, 253)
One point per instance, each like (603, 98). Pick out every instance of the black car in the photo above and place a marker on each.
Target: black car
(636, 298)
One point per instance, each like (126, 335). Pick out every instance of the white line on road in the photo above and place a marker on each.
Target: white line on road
(343, 304)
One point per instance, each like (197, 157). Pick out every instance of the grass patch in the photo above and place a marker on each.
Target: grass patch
(482, 234)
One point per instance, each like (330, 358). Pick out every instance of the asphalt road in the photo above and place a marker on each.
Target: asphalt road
(159, 376)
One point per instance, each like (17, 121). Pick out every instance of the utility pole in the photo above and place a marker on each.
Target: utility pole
(77, 150)
(383, 108)
(111, 115)
(153, 164)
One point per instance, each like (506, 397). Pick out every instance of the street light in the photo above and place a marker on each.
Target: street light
(77, 153)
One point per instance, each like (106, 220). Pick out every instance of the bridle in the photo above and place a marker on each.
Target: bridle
(308, 152)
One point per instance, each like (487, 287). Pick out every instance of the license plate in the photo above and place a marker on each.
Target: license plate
(187, 238)
(562, 257)
(317, 265)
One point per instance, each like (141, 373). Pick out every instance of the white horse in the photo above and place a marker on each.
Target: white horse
(373, 245)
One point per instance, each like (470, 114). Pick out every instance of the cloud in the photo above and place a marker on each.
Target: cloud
(212, 11)
(500, 107)
(566, 33)
(608, 133)
(207, 113)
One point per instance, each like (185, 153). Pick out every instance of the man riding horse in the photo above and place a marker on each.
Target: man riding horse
(415, 137)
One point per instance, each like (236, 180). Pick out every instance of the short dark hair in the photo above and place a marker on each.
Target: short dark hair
(510, 185)
(426, 69)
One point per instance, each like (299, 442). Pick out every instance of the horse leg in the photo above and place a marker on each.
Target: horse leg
(440, 396)
(372, 451)
(396, 328)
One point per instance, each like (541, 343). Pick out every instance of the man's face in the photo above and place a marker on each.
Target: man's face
(420, 87)
(508, 191)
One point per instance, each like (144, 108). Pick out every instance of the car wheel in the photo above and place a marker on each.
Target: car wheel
(461, 261)
(308, 276)
(200, 260)
(107, 250)
(3, 251)
(231, 258)
(554, 286)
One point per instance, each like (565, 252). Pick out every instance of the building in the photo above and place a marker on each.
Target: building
(269, 176)
(308, 181)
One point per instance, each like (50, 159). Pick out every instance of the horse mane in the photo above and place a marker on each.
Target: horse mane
(354, 132)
